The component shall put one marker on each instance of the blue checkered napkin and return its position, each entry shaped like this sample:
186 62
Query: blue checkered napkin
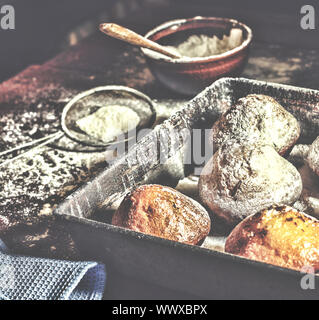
27 278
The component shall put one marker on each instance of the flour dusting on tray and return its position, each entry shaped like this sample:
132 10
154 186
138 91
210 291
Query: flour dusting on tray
109 122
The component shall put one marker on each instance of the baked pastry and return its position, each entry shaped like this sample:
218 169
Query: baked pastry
309 199
298 155
163 212
244 178
281 236
313 156
260 118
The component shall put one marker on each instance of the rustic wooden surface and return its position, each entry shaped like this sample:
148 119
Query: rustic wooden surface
30 106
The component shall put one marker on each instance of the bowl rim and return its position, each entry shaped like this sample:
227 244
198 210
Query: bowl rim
221 56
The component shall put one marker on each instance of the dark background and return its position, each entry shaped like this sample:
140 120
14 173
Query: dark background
43 26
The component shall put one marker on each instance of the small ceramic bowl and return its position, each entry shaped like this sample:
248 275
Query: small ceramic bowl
191 75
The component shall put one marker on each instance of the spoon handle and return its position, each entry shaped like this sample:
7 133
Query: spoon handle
119 32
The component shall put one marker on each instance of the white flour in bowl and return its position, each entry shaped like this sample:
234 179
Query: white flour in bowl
198 46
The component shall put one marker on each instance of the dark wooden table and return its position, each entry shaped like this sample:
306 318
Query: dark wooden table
30 107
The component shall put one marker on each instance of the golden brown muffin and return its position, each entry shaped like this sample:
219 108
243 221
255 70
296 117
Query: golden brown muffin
281 236
163 212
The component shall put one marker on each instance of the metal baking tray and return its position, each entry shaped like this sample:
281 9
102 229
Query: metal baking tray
203 272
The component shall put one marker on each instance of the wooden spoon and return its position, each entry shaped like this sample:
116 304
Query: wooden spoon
119 32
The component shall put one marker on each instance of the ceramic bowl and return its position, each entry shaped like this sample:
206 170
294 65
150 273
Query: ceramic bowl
191 75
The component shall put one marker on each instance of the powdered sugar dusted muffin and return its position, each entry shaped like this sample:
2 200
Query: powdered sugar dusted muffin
258 118
313 156
244 178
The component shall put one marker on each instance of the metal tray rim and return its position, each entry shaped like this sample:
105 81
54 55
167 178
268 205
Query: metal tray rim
174 244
